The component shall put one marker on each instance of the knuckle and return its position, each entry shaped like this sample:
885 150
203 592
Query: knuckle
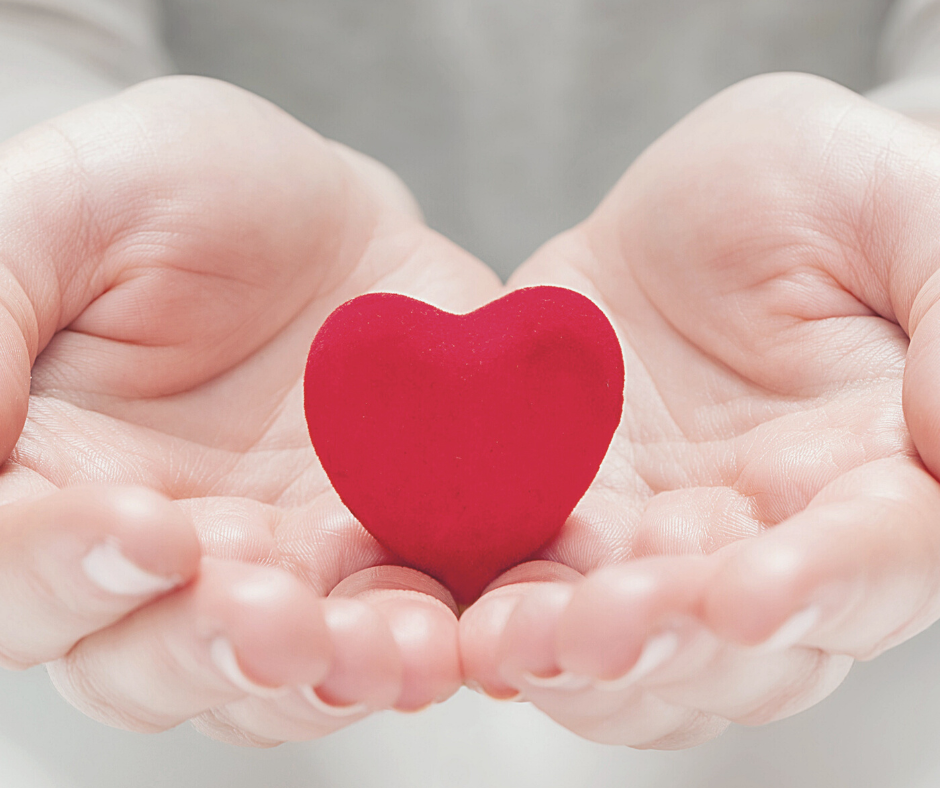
10 659
699 728
216 725
817 677
40 623
95 696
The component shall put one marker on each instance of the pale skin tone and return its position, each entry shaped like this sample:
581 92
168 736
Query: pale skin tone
764 264
168 256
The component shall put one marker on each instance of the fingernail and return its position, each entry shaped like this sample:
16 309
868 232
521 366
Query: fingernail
657 650
477 687
109 569
791 631
350 710
563 680
223 656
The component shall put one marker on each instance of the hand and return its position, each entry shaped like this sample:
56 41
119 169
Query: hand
167 537
763 516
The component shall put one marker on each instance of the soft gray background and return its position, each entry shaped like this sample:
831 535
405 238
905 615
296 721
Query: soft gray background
509 119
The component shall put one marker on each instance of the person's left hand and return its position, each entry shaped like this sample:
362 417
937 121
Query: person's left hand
762 516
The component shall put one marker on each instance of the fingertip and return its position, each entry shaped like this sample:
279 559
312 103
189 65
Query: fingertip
528 644
426 635
480 631
757 590
275 624
484 625
79 559
601 632
618 610
367 665
422 617
153 532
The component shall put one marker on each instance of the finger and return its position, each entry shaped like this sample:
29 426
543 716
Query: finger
365 676
17 349
640 720
922 375
480 630
386 185
421 615
527 657
621 658
483 627
854 573
77 560
626 612
744 685
238 630
367 669
393 638
636 626
393 647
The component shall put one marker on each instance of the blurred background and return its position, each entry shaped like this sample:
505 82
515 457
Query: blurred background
509 119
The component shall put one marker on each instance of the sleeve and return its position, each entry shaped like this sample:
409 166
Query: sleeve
58 54
909 60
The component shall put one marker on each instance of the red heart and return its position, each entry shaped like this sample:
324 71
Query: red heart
463 442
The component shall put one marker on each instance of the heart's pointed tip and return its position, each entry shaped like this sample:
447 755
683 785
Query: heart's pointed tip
467 592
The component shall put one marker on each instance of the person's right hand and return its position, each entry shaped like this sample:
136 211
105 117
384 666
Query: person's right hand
768 508
167 536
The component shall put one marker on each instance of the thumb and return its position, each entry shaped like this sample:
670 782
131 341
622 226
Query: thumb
869 181
922 375
896 270
17 349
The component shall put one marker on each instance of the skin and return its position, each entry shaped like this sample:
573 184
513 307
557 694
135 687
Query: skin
168 255
765 264
770 265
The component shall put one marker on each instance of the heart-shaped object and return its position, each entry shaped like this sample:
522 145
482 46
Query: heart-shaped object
463 442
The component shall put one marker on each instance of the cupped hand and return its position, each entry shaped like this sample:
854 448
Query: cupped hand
764 514
168 542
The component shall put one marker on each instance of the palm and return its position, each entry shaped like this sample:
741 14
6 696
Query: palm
763 465
744 397
232 442
232 445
